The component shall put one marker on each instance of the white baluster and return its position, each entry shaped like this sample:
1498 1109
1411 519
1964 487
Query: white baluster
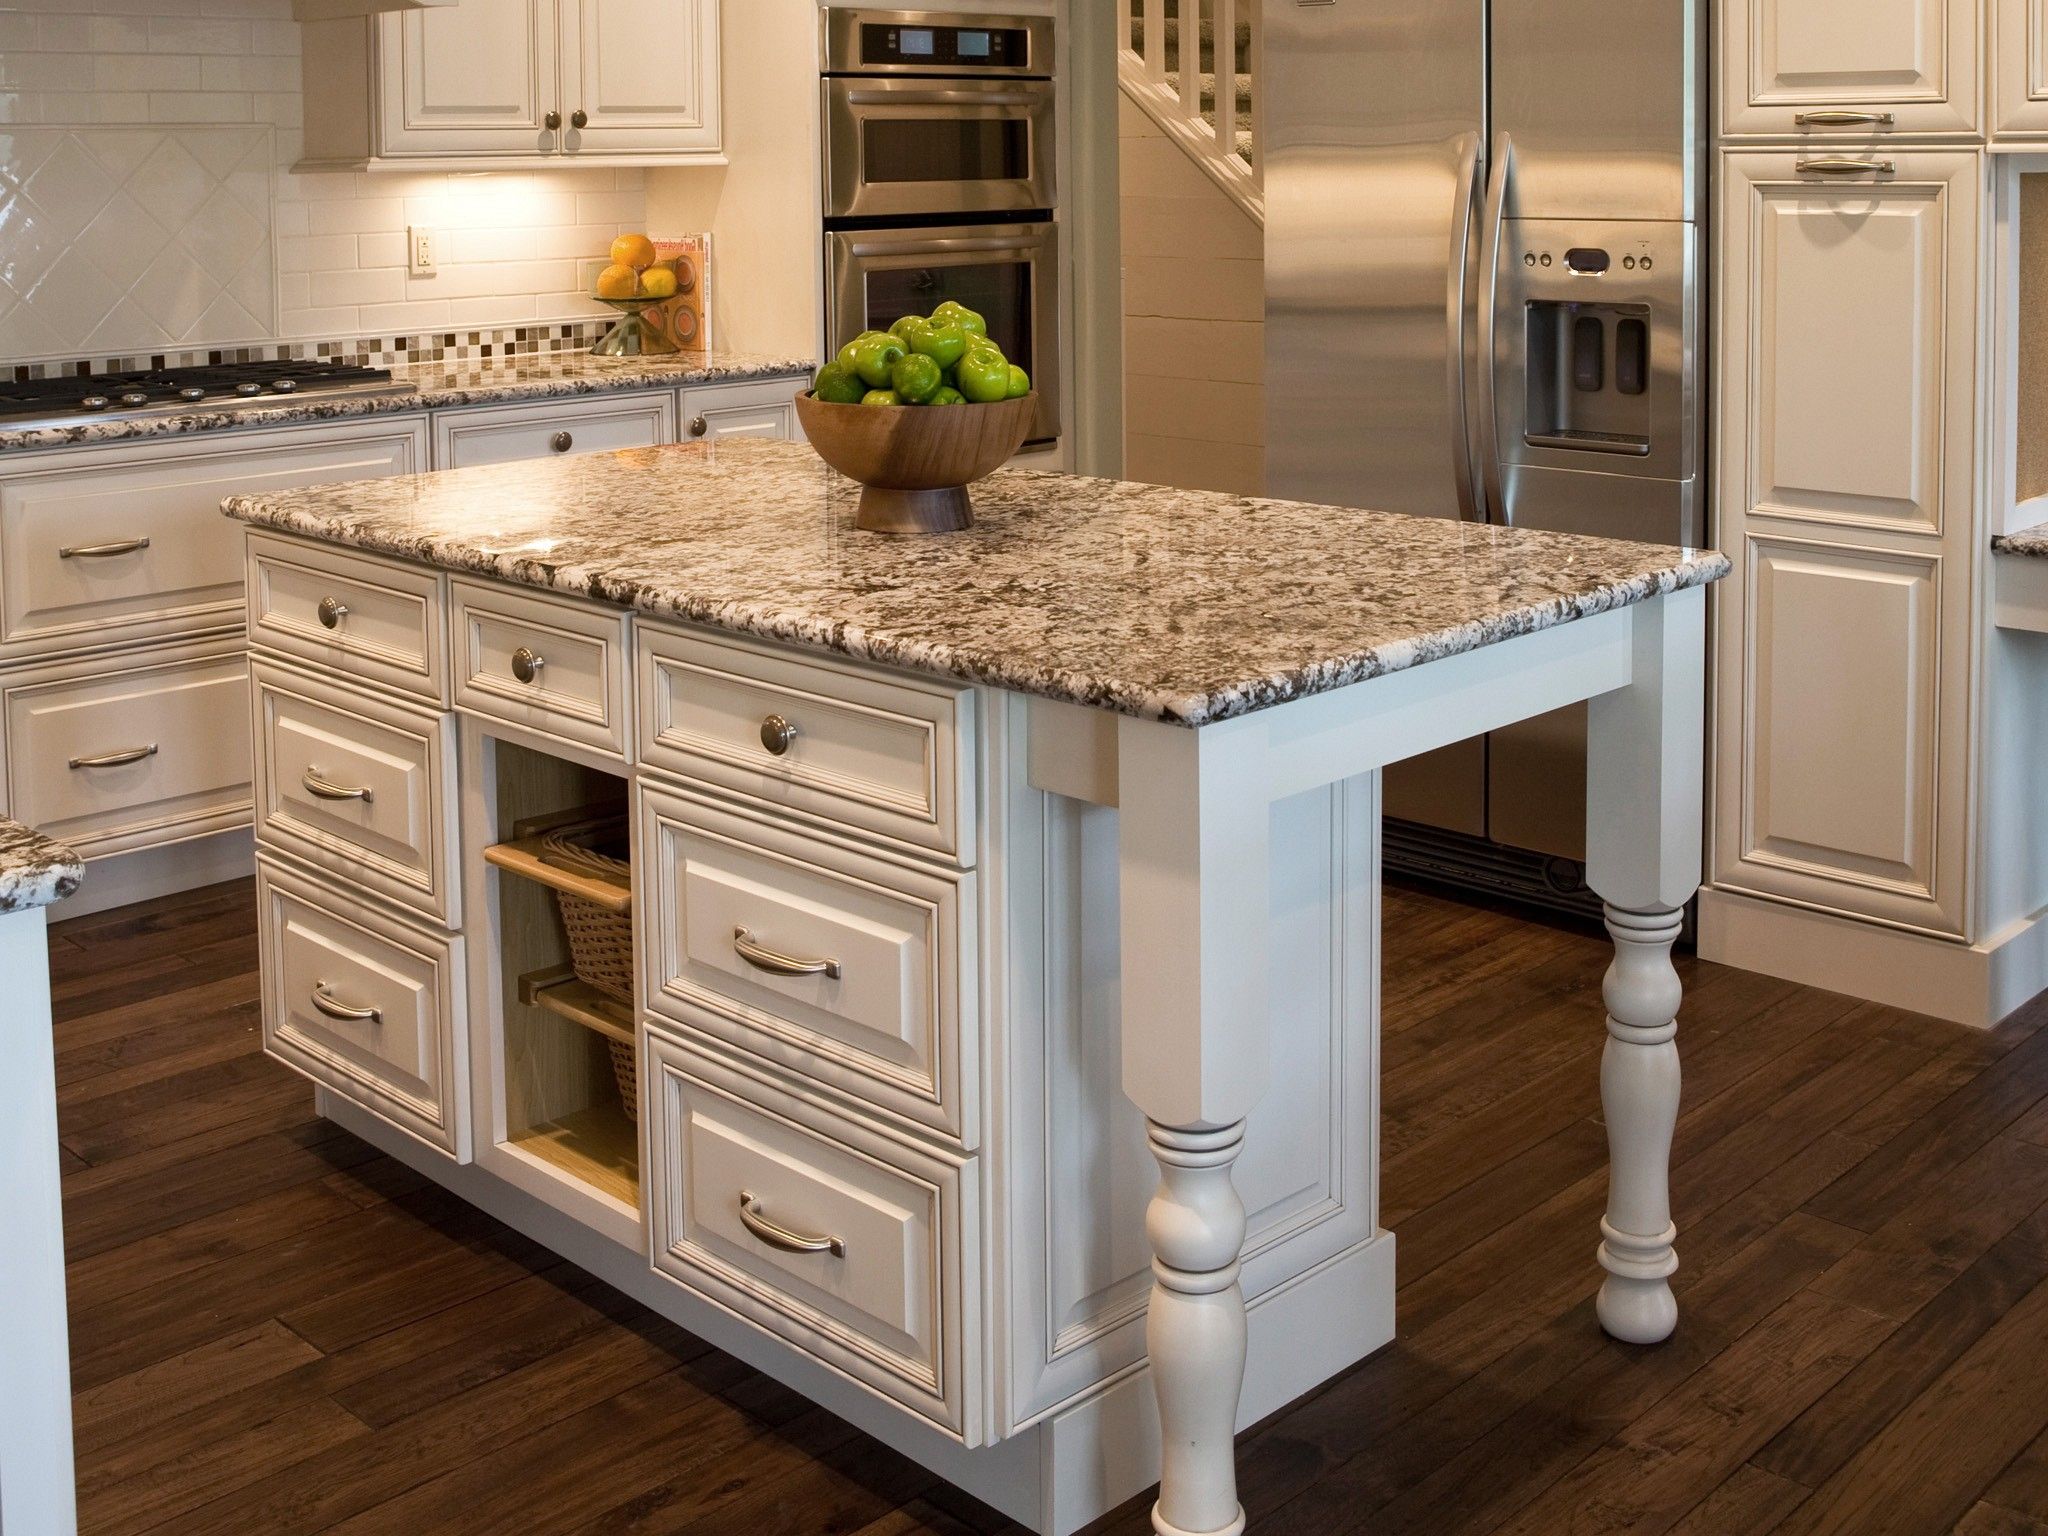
1639 1086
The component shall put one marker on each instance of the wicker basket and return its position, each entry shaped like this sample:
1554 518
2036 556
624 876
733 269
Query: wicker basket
600 940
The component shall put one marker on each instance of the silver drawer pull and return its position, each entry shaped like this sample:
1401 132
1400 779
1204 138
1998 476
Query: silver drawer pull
777 964
526 664
777 734
115 759
327 789
101 551
781 1237
1839 119
332 611
349 1013
1846 167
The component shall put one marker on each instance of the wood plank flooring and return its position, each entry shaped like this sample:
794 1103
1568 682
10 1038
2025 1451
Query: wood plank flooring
278 1331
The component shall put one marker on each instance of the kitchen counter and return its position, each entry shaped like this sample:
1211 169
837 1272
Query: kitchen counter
915 1026
432 386
34 871
1165 604
2020 579
2032 542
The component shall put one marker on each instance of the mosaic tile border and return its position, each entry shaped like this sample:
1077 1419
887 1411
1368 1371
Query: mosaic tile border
455 346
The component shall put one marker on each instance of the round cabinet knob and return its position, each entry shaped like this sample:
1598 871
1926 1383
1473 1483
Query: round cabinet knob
553 121
525 665
699 426
777 734
332 612
579 119
561 442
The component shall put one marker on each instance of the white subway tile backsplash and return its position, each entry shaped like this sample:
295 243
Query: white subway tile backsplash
145 229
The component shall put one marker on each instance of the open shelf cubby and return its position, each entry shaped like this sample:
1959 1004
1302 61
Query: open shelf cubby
561 1039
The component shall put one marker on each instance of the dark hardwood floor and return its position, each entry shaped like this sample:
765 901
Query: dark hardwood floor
277 1330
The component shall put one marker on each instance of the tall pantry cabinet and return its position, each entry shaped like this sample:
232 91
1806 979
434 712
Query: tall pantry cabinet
1855 385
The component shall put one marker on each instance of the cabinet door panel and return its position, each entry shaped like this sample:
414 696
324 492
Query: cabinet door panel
1856 339
1914 59
643 72
478 78
2019 70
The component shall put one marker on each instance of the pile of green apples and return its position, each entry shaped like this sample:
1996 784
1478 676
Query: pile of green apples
944 358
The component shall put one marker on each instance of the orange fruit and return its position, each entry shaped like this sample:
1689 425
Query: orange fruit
635 251
618 282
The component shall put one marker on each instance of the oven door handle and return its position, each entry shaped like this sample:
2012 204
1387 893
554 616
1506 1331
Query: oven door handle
1030 246
871 96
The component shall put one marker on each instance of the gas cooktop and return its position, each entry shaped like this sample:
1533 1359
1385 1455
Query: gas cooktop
167 391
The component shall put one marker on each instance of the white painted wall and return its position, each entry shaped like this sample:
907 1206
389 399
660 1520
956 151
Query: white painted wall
514 247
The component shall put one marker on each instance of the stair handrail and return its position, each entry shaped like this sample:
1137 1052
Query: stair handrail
1148 83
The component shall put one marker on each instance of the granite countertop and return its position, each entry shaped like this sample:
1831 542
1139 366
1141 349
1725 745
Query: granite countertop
432 386
34 872
1176 605
2028 541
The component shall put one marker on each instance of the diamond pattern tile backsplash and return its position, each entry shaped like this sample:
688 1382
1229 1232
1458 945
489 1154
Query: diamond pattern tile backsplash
120 239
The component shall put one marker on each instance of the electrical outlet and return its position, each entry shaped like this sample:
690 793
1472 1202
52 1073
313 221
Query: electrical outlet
420 242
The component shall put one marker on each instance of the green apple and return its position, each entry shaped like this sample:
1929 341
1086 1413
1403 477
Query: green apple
838 385
943 344
951 313
881 397
1020 382
916 379
948 395
984 377
874 357
908 326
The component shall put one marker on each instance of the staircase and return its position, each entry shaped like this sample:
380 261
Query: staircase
1183 96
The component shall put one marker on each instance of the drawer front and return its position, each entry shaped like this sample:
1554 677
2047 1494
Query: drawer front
889 758
375 620
136 548
497 435
357 786
364 1005
554 667
766 409
855 1248
850 969
123 755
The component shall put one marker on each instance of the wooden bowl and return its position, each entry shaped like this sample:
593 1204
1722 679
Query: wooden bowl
916 462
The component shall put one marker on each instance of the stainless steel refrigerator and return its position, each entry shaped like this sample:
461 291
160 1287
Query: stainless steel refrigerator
1483 301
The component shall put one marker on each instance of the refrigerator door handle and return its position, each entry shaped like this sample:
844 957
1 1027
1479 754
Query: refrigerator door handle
1502 173
1455 304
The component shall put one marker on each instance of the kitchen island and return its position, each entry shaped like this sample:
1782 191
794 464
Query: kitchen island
996 1062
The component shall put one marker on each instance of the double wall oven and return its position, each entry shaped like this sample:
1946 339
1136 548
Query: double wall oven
938 179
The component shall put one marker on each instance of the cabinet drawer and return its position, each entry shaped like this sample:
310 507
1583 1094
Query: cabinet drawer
1900 68
768 409
372 619
134 547
365 1005
109 755
554 667
498 434
852 969
880 755
358 786
854 1247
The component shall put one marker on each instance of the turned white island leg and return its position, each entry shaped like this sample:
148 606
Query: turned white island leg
1193 834
1643 827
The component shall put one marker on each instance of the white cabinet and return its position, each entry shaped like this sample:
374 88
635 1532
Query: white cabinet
496 434
1848 358
494 83
1822 68
2019 69
742 410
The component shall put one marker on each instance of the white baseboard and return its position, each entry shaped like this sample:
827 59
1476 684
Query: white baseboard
1977 984
1055 1476
121 879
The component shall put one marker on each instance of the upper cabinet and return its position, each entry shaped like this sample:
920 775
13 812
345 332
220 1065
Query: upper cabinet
2019 69
489 84
1816 69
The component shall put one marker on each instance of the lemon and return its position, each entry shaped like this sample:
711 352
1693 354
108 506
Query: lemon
658 283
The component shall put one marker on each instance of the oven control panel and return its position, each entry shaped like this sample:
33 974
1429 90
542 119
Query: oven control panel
965 48
865 42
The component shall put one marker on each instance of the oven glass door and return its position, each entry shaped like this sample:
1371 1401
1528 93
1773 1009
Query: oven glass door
1008 274
926 148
